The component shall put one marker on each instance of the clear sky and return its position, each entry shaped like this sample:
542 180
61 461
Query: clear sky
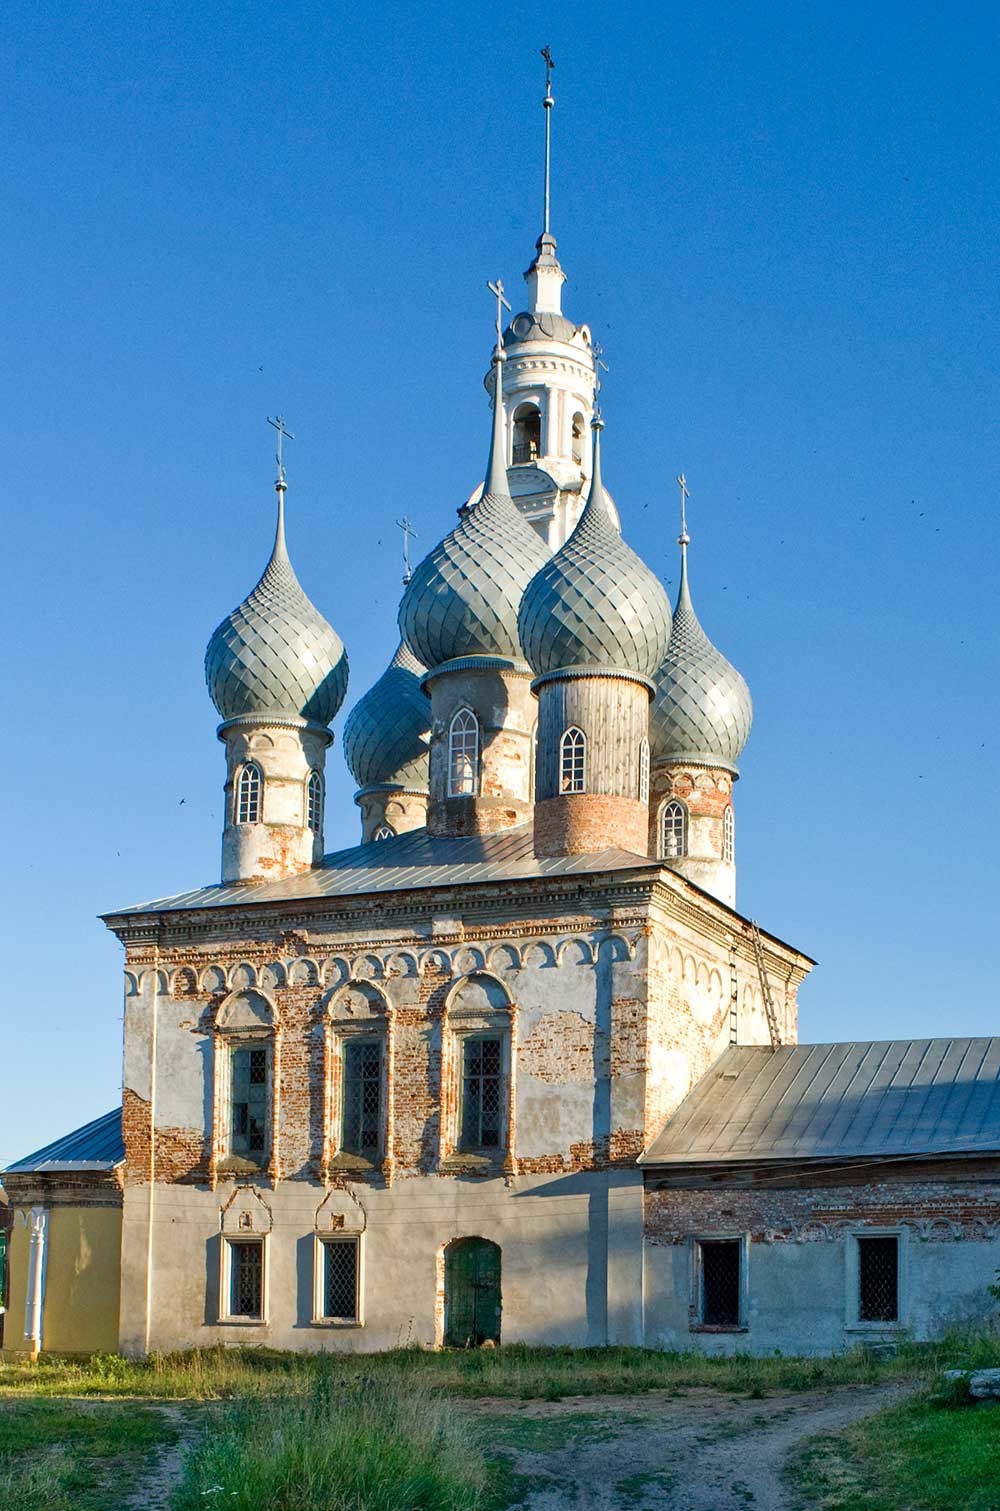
781 220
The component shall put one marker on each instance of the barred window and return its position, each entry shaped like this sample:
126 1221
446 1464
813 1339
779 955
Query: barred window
246 1278
383 832
720 1282
314 802
728 835
573 761
249 792
463 754
249 1102
482 1091
339 1290
673 830
878 1279
644 771
361 1131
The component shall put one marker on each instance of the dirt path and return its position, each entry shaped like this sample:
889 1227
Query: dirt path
700 1451
164 1468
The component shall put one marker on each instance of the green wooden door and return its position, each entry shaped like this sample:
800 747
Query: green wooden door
471 1293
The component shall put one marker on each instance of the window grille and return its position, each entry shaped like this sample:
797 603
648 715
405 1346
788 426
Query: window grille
644 771
362 1097
463 755
573 761
527 438
673 831
383 832
246 1277
249 791
720 1283
482 1092
248 1132
728 836
340 1279
314 802
878 1279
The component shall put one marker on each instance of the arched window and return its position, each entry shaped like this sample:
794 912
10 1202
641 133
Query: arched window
463 754
673 830
729 835
527 434
644 771
579 430
249 794
573 761
383 832
314 802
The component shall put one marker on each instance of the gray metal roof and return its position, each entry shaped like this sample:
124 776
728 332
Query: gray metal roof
838 1101
406 861
539 325
96 1146
387 732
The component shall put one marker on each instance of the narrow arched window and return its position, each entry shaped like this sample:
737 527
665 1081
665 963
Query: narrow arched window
579 430
573 761
673 830
729 835
383 832
249 794
527 443
644 771
314 802
463 754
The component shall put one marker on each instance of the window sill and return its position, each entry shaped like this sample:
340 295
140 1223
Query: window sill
718 1327
357 1162
875 1327
337 1322
242 1322
233 1165
460 1163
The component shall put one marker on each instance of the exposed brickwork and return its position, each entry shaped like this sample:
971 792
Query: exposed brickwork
474 815
135 1130
559 1049
584 823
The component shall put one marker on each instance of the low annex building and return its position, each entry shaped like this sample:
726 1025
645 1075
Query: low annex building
513 1068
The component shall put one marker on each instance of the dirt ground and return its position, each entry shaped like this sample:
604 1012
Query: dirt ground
696 1451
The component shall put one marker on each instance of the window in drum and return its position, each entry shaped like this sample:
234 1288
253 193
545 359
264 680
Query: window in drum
249 1103
878 1279
482 1092
463 754
246 1278
579 428
383 832
673 831
728 836
720 1282
339 1288
644 770
314 802
573 761
249 792
362 1119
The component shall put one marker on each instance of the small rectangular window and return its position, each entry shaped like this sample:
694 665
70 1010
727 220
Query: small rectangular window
482 1092
338 1292
246 1278
878 1279
720 1282
249 1103
361 1131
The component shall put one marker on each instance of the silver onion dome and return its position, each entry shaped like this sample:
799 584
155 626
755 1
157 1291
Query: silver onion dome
595 603
463 598
275 654
387 733
702 710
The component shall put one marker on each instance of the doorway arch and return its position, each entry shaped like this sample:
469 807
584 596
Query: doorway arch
472 1298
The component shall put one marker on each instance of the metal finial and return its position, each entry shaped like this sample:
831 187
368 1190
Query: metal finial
547 104
684 538
497 290
408 530
283 434
599 366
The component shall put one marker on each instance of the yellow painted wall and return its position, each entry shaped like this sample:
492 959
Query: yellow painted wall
82 1282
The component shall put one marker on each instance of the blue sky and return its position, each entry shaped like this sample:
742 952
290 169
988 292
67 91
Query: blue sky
782 223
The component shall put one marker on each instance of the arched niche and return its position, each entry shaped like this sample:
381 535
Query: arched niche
355 1002
246 1011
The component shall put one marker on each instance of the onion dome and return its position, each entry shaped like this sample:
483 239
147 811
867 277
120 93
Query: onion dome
387 733
275 655
702 710
595 604
463 598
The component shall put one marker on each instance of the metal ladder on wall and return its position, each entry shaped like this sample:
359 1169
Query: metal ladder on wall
765 987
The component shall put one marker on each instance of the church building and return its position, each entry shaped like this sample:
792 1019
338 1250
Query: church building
513 1066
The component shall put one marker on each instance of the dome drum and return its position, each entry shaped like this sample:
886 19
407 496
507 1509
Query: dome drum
481 750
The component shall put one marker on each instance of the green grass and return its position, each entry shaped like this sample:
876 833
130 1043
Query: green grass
55 1456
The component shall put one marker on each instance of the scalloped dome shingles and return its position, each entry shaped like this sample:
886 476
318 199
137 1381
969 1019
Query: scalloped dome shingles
275 653
387 733
702 709
595 603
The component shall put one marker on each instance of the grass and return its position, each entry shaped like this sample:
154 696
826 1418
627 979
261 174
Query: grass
55 1456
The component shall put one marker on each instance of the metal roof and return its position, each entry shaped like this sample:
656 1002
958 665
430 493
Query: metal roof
834 1101
96 1146
406 861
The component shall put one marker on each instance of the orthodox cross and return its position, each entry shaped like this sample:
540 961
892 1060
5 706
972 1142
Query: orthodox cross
685 495
599 366
283 434
408 530
548 103
497 290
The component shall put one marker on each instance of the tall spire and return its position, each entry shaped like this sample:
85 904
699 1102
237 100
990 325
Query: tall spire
545 277
683 540
547 105
496 467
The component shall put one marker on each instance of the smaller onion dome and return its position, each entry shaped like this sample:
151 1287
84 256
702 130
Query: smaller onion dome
387 733
702 710
595 604
275 654
463 598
